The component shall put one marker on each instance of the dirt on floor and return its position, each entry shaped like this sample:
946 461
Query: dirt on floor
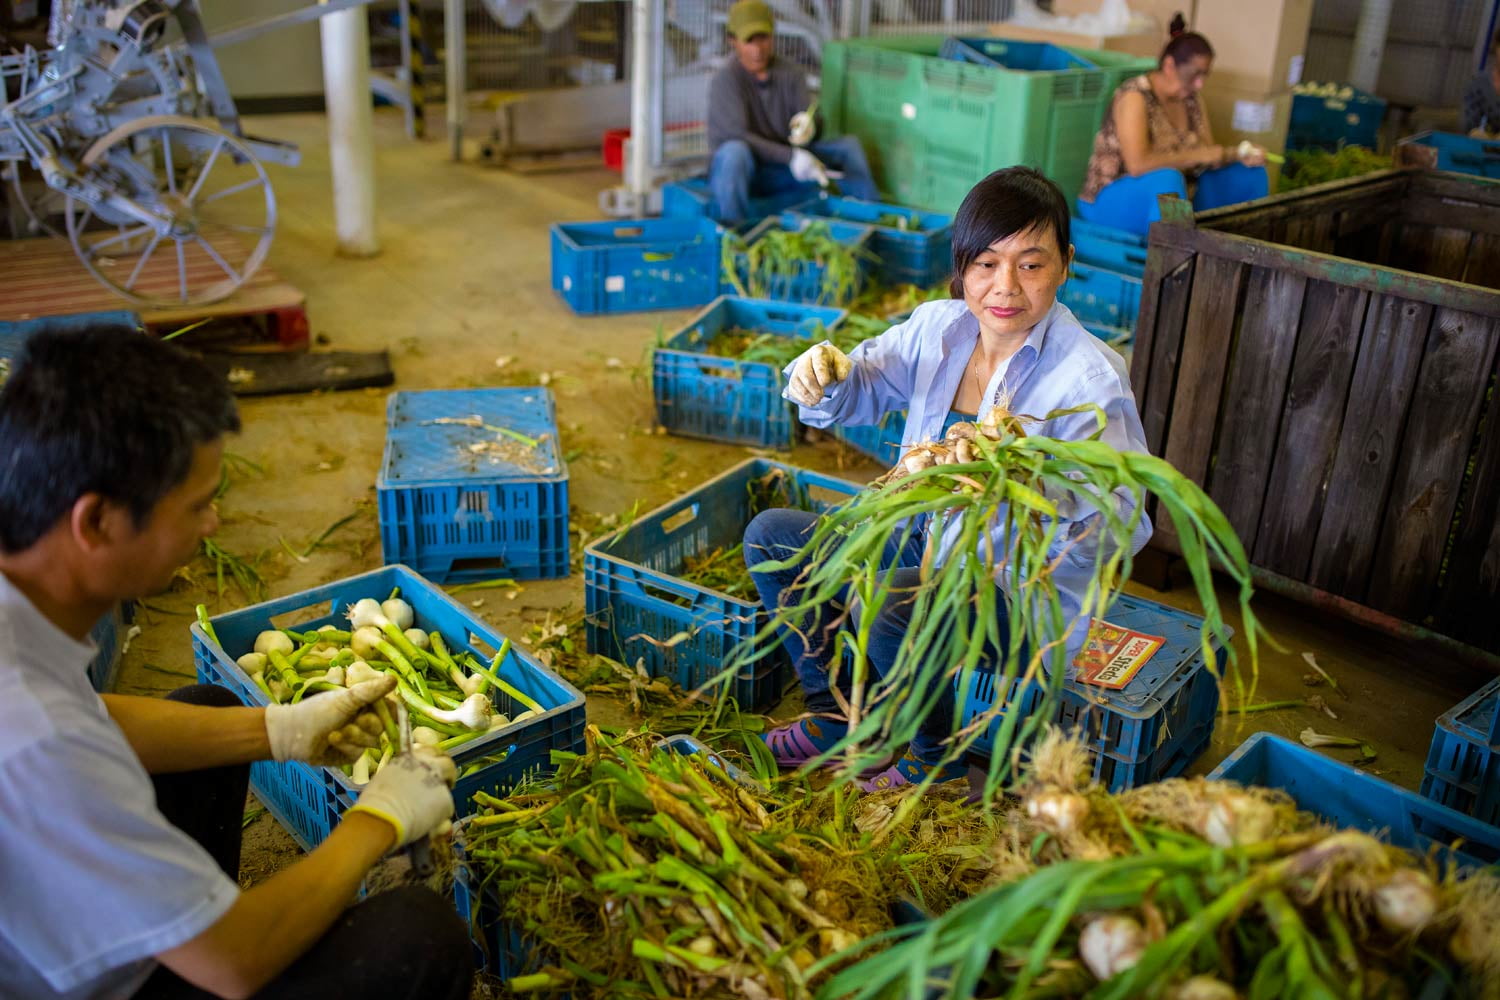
460 296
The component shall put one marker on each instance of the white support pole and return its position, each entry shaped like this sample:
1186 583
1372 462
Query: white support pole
1369 44
351 142
638 169
455 37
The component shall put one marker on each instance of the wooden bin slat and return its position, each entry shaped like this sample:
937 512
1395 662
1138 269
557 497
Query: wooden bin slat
1165 288
1385 375
1252 398
1315 398
1383 280
1484 261
1440 251
1471 590
1434 450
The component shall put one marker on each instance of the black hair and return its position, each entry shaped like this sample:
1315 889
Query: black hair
1008 201
1184 47
108 410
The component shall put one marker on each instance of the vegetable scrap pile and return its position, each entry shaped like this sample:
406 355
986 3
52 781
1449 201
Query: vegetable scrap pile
508 446
638 872
1316 166
1191 890
779 258
450 695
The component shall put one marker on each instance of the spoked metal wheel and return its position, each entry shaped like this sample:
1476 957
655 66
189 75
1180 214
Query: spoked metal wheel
188 213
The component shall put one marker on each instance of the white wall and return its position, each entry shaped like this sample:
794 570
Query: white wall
287 62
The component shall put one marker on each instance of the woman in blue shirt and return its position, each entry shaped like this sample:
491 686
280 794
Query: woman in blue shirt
1002 339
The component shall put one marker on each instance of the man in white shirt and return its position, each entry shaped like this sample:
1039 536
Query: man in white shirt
110 447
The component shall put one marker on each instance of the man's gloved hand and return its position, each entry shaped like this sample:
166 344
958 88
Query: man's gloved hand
329 728
807 168
818 368
804 127
413 793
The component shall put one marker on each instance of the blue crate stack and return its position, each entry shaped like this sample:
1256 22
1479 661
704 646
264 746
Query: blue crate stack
307 800
1463 763
881 442
1346 797
636 265
462 498
698 394
1347 116
1153 728
635 597
1461 153
689 198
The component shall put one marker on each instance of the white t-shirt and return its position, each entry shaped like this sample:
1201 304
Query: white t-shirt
95 881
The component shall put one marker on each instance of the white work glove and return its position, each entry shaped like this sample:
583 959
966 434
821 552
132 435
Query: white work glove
330 728
803 129
818 368
807 168
413 793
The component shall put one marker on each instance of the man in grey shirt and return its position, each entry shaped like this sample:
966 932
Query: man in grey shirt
764 142
1481 107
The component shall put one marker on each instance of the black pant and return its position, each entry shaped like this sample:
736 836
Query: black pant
407 943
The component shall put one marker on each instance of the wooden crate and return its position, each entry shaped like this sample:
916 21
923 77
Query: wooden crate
1324 364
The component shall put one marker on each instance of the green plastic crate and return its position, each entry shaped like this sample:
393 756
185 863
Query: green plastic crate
933 128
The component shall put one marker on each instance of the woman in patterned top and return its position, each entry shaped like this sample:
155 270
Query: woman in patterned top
1156 140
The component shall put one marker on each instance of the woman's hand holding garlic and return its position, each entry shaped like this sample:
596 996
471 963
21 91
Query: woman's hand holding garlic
818 368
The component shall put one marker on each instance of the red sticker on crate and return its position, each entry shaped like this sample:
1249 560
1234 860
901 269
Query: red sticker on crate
1112 655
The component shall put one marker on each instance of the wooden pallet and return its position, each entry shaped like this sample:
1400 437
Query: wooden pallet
42 277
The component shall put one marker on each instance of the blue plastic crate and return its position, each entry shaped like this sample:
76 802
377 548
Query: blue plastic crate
1107 247
723 399
463 502
13 333
881 441
1151 729
805 282
1003 53
1348 797
109 636
1463 763
1116 336
689 198
1332 122
921 254
1462 154
636 265
1101 297
636 599
308 800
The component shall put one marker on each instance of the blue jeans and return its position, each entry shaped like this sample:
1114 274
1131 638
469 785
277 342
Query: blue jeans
735 176
778 534
1130 202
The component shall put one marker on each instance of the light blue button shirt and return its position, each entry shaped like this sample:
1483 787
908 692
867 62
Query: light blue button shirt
96 880
918 367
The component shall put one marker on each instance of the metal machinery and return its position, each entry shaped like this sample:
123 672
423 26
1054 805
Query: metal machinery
128 119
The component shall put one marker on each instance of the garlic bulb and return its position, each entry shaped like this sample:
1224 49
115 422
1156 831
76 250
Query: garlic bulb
272 641
1110 945
1406 902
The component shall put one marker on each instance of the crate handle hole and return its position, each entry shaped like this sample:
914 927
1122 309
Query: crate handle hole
625 232
826 496
683 517
476 565
482 646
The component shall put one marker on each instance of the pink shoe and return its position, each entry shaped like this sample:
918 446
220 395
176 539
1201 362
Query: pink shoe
796 743
910 771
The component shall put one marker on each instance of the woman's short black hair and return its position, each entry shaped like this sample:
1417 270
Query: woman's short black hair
1007 202
106 410
1184 47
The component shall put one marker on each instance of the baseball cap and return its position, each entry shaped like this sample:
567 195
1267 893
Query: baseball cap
749 18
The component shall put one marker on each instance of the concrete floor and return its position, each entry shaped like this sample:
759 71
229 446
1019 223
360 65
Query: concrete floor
463 281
